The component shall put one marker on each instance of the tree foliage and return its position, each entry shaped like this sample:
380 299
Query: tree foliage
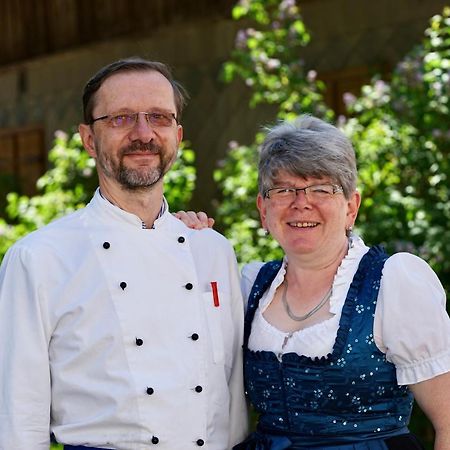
400 130
70 183
267 57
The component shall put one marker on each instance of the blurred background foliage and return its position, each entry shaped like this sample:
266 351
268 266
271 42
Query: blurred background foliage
399 127
266 57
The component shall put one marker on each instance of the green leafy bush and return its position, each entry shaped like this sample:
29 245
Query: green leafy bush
70 183
399 129
267 57
401 135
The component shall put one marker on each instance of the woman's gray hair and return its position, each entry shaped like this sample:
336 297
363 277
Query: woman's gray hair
307 147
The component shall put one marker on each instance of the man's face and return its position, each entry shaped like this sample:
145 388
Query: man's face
135 156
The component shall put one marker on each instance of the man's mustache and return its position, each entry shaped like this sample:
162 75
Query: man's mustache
142 147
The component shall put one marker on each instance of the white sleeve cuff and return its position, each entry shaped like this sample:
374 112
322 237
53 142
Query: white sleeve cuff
424 370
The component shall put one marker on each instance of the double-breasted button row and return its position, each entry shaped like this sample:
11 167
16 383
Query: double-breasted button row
181 239
122 284
151 391
199 442
188 286
139 341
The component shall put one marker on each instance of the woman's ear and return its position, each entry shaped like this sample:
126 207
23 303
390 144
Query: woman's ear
260 204
352 208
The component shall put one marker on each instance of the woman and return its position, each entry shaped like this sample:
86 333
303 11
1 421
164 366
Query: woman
338 336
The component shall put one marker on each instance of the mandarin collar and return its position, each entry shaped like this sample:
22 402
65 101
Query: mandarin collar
108 211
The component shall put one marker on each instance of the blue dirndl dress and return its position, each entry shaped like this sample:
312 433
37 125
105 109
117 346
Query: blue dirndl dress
348 400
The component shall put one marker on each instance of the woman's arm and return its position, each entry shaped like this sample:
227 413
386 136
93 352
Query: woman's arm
433 396
413 328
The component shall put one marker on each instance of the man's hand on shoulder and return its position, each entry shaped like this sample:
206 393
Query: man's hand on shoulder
195 220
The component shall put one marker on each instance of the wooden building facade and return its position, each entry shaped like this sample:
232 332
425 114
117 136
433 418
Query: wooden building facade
49 48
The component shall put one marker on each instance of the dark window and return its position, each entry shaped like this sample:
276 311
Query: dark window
22 161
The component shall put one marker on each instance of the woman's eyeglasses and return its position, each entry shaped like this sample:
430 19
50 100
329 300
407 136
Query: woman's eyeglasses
315 193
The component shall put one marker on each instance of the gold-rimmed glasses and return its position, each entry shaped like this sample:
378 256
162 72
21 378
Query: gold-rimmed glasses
125 121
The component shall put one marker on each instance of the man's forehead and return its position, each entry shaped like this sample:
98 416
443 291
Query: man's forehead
136 87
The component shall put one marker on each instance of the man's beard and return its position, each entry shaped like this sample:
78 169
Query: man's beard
135 178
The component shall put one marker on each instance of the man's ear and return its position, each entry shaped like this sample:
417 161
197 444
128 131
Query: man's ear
179 134
87 138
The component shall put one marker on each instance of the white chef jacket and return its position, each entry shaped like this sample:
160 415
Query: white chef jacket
110 336
411 325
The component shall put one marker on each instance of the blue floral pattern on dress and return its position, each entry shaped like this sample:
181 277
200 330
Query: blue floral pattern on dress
351 395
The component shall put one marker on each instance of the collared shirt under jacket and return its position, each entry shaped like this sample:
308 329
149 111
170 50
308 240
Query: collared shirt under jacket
112 336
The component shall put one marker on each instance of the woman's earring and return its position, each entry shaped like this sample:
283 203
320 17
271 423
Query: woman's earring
349 231
266 232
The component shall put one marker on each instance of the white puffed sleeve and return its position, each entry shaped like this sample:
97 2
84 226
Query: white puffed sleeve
411 323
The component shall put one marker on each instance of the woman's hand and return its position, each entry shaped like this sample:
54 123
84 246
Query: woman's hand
195 220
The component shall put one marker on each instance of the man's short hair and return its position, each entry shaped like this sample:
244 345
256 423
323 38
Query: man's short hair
134 64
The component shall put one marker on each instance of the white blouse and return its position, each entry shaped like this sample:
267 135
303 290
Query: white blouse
411 324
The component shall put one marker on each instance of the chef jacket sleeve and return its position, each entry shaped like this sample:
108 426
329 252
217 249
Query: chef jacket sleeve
24 361
238 405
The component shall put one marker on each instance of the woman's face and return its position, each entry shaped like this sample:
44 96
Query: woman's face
312 224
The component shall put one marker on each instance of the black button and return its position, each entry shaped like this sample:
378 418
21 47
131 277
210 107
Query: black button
155 440
150 391
106 245
123 285
181 239
198 389
139 342
194 336
189 286
200 442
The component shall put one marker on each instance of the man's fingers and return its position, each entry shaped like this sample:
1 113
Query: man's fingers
195 220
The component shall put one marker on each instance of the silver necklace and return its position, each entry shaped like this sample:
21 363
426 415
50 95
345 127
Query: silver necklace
308 314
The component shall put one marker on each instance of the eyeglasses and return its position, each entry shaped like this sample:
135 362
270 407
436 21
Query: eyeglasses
126 121
316 193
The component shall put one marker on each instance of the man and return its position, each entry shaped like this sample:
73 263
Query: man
121 327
